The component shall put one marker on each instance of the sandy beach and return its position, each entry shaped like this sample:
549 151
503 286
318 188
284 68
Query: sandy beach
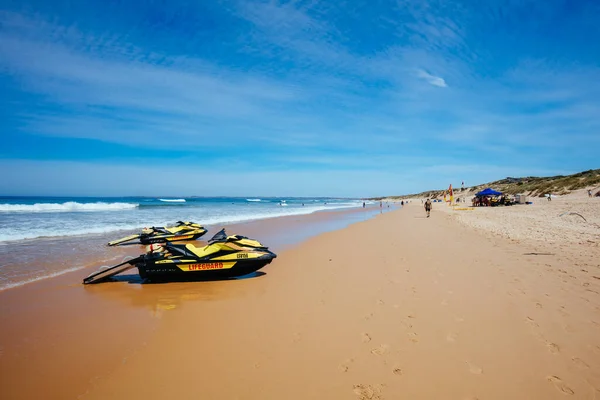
398 306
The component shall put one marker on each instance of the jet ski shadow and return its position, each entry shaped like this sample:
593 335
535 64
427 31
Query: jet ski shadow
135 279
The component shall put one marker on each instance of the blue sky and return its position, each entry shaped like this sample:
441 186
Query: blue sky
345 98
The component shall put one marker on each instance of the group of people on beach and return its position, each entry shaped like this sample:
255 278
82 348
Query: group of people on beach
427 206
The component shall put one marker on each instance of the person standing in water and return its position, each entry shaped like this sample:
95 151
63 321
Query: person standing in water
428 207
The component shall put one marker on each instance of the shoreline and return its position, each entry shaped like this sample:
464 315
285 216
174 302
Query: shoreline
72 320
77 253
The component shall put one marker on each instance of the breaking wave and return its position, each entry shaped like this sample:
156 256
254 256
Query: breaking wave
69 206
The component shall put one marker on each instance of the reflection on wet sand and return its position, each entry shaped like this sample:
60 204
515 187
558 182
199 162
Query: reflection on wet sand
131 290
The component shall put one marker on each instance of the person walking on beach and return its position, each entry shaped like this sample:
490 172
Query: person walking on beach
428 207
589 193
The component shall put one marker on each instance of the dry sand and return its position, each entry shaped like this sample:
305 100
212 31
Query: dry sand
562 222
399 306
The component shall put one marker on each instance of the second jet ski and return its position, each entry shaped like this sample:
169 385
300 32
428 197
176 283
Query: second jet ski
183 230
224 257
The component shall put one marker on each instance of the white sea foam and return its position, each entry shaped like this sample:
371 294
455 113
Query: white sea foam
4 286
173 200
253 200
272 213
69 206
129 222
7 235
115 225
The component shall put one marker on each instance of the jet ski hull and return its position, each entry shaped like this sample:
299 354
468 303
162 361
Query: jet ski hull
196 271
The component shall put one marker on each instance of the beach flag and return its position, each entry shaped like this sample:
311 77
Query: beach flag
451 194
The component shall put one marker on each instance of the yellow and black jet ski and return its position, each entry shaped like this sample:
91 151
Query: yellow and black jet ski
223 257
181 231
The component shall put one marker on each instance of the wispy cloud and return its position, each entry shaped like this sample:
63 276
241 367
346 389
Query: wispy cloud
432 79
309 86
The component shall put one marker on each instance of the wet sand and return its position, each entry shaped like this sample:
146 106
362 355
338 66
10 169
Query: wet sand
399 306
69 335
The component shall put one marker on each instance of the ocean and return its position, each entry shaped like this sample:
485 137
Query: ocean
41 237
36 217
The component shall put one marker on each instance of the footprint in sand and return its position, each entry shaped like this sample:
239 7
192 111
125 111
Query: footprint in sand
563 312
531 321
538 305
397 371
406 324
553 347
560 385
580 363
444 302
451 337
381 350
380 302
474 369
369 316
366 338
345 365
459 319
412 336
367 392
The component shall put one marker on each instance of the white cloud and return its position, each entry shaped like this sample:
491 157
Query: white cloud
432 79
313 91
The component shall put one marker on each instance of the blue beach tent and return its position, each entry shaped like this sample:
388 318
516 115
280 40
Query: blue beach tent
488 192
